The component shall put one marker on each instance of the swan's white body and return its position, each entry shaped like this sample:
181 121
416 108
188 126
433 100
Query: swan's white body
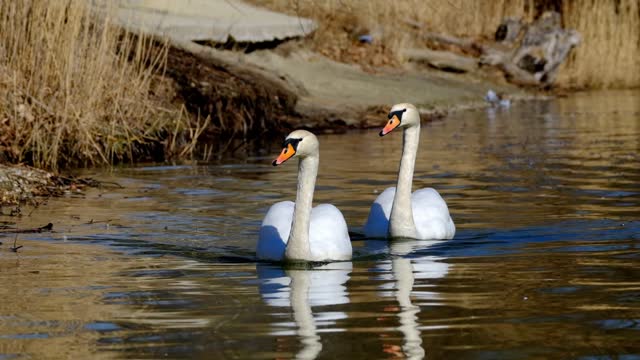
328 234
398 213
296 231
430 215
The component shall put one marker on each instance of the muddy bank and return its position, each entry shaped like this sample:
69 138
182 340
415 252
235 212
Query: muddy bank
337 93
25 185
296 82
291 87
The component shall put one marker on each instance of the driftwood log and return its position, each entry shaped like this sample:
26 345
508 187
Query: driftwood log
443 60
528 54
544 47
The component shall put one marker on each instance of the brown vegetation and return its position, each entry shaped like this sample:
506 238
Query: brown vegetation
77 90
74 88
610 54
607 57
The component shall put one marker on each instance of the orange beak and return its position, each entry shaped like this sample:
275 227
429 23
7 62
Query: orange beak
391 124
285 155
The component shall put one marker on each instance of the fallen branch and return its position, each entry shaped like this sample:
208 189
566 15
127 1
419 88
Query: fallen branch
443 60
72 180
531 60
45 228
466 45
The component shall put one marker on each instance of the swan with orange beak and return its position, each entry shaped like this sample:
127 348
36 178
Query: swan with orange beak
297 231
397 212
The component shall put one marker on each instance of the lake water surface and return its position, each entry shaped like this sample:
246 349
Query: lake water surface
545 262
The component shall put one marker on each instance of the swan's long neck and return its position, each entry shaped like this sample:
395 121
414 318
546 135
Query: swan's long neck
412 344
298 247
401 222
300 285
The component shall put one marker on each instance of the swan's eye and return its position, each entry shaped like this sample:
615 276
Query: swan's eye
397 113
291 144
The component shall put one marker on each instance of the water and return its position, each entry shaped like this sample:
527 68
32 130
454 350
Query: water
544 264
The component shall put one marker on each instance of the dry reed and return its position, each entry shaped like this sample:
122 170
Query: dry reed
607 57
74 89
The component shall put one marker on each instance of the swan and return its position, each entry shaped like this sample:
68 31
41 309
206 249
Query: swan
294 231
397 213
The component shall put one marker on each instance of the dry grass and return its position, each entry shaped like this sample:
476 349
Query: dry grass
73 88
608 56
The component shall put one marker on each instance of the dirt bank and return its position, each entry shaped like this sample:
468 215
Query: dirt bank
309 90
26 185
236 101
319 92
346 94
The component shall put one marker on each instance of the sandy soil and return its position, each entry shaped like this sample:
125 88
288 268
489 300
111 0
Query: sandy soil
331 96
334 90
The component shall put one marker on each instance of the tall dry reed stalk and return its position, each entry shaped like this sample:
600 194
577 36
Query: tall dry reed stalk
74 89
607 57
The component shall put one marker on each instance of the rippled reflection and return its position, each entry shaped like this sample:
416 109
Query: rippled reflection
401 273
302 289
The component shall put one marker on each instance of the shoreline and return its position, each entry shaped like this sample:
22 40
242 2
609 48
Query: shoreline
331 96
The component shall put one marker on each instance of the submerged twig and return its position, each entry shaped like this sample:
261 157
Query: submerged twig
15 248
47 227
69 180
99 221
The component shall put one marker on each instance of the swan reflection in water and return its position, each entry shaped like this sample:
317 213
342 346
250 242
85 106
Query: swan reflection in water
402 271
302 289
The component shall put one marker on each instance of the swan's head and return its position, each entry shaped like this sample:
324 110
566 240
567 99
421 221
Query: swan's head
299 143
401 115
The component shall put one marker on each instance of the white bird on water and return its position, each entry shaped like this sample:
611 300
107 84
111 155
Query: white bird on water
297 231
397 213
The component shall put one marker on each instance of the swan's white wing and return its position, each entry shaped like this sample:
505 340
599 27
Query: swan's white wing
377 225
328 234
431 215
274 231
